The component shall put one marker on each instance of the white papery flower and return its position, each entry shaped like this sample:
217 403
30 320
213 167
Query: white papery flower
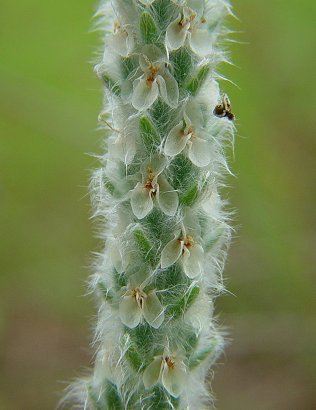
118 254
123 146
122 40
185 134
154 186
185 248
125 128
192 26
169 370
156 80
136 305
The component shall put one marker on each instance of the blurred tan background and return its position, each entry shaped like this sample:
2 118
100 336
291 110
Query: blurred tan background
49 101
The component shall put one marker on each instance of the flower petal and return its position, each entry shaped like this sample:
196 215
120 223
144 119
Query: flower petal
151 54
173 379
176 140
129 312
195 111
193 261
197 5
200 42
199 152
176 34
156 163
167 197
191 222
162 88
172 89
116 257
153 311
121 43
130 42
141 201
171 253
152 373
124 148
144 95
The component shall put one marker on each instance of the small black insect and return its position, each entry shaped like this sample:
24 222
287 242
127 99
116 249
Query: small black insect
224 109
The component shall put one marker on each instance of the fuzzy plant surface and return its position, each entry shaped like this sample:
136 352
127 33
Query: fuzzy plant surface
162 222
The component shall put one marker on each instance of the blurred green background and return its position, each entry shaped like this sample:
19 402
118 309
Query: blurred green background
49 103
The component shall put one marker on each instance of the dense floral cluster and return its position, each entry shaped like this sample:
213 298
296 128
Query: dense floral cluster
163 223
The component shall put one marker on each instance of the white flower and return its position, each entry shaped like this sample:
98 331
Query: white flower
168 370
122 41
184 135
153 186
123 147
156 80
125 128
188 25
136 305
116 255
116 244
185 248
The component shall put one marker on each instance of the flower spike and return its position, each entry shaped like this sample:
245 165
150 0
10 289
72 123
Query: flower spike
163 226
